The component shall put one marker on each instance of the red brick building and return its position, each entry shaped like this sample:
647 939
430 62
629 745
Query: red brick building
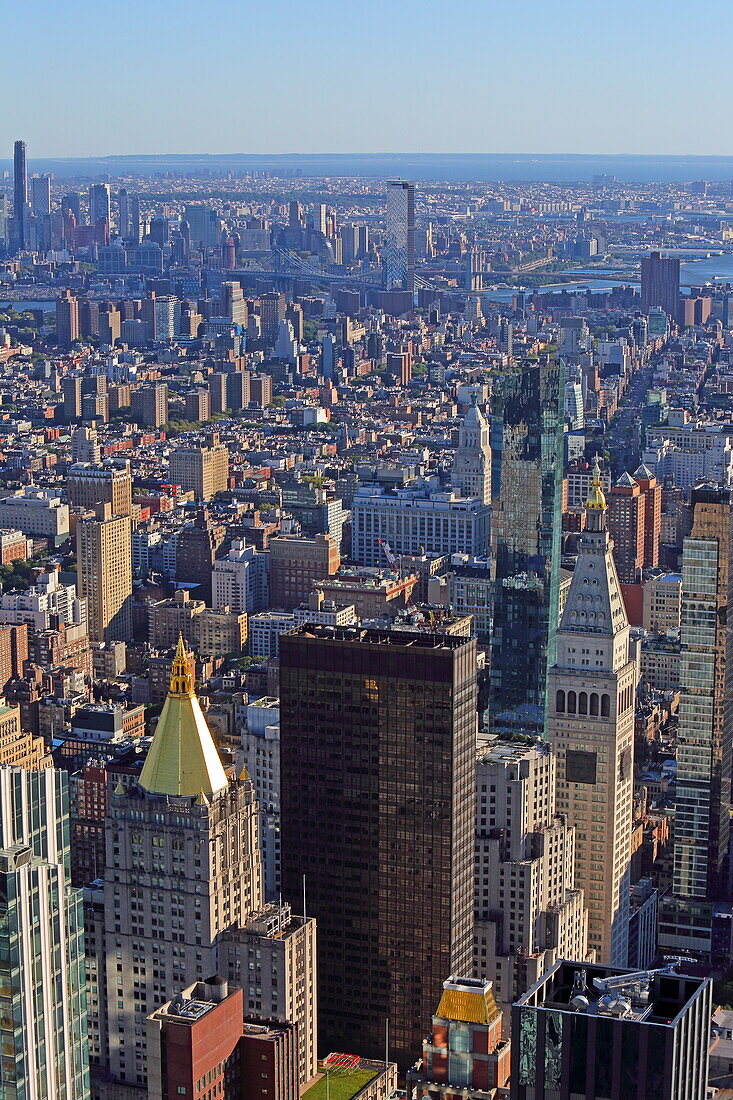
13 547
635 521
296 564
626 505
13 652
200 1045
652 493
465 1054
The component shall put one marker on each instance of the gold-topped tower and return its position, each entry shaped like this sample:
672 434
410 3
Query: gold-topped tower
596 498
183 760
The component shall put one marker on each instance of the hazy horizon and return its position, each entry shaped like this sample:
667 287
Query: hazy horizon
557 168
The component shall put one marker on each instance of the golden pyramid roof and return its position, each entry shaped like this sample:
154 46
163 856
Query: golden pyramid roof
468 1000
182 759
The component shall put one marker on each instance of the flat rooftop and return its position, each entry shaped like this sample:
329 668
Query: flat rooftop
655 997
342 1084
394 638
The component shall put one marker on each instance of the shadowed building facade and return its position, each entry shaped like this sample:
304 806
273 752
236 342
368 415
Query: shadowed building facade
377 734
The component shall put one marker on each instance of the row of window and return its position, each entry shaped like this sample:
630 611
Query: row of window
581 703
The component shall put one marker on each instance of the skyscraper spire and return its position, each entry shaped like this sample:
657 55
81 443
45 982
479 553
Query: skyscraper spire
596 504
182 760
591 691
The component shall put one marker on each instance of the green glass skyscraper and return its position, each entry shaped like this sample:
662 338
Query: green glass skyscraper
526 446
43 1014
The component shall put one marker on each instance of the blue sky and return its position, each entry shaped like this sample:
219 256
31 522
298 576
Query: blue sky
90 78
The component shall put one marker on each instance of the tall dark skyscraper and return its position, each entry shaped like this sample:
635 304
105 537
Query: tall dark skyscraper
100 203
660 283
526 448
20 192
377 803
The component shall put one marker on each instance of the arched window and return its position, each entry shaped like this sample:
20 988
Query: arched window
605 706
571 702
594 703
560 702
583 703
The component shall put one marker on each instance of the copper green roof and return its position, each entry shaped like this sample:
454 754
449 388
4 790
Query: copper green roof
182 759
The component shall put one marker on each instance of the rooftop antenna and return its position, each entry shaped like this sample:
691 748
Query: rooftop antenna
304 909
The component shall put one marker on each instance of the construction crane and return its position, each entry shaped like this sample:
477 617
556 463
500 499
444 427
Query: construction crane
388 553
633 977
617 990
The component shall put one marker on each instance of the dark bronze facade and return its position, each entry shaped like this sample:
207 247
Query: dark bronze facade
377 786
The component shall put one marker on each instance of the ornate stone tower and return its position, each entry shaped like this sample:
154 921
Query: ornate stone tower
182 865
591 690
471 474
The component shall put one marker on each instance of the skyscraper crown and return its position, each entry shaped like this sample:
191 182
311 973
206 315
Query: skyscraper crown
596 500
183 760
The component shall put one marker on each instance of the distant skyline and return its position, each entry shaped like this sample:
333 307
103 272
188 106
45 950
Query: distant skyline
391 76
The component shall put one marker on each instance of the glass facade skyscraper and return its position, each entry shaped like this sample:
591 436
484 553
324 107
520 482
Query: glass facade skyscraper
695 914
526 444
702 817
43 1012
20 192
377 744
399 237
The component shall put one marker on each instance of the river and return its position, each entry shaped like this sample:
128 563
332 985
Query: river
48 306
692 273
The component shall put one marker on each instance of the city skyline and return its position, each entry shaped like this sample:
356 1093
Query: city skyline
427 77
366 555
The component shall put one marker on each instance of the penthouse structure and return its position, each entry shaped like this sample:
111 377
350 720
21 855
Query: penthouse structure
602 1031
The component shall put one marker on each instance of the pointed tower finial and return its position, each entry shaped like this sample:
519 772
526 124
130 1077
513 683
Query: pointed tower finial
181 678
182 759
596 500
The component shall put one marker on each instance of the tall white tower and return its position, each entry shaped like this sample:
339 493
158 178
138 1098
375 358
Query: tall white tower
471 474
591 692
